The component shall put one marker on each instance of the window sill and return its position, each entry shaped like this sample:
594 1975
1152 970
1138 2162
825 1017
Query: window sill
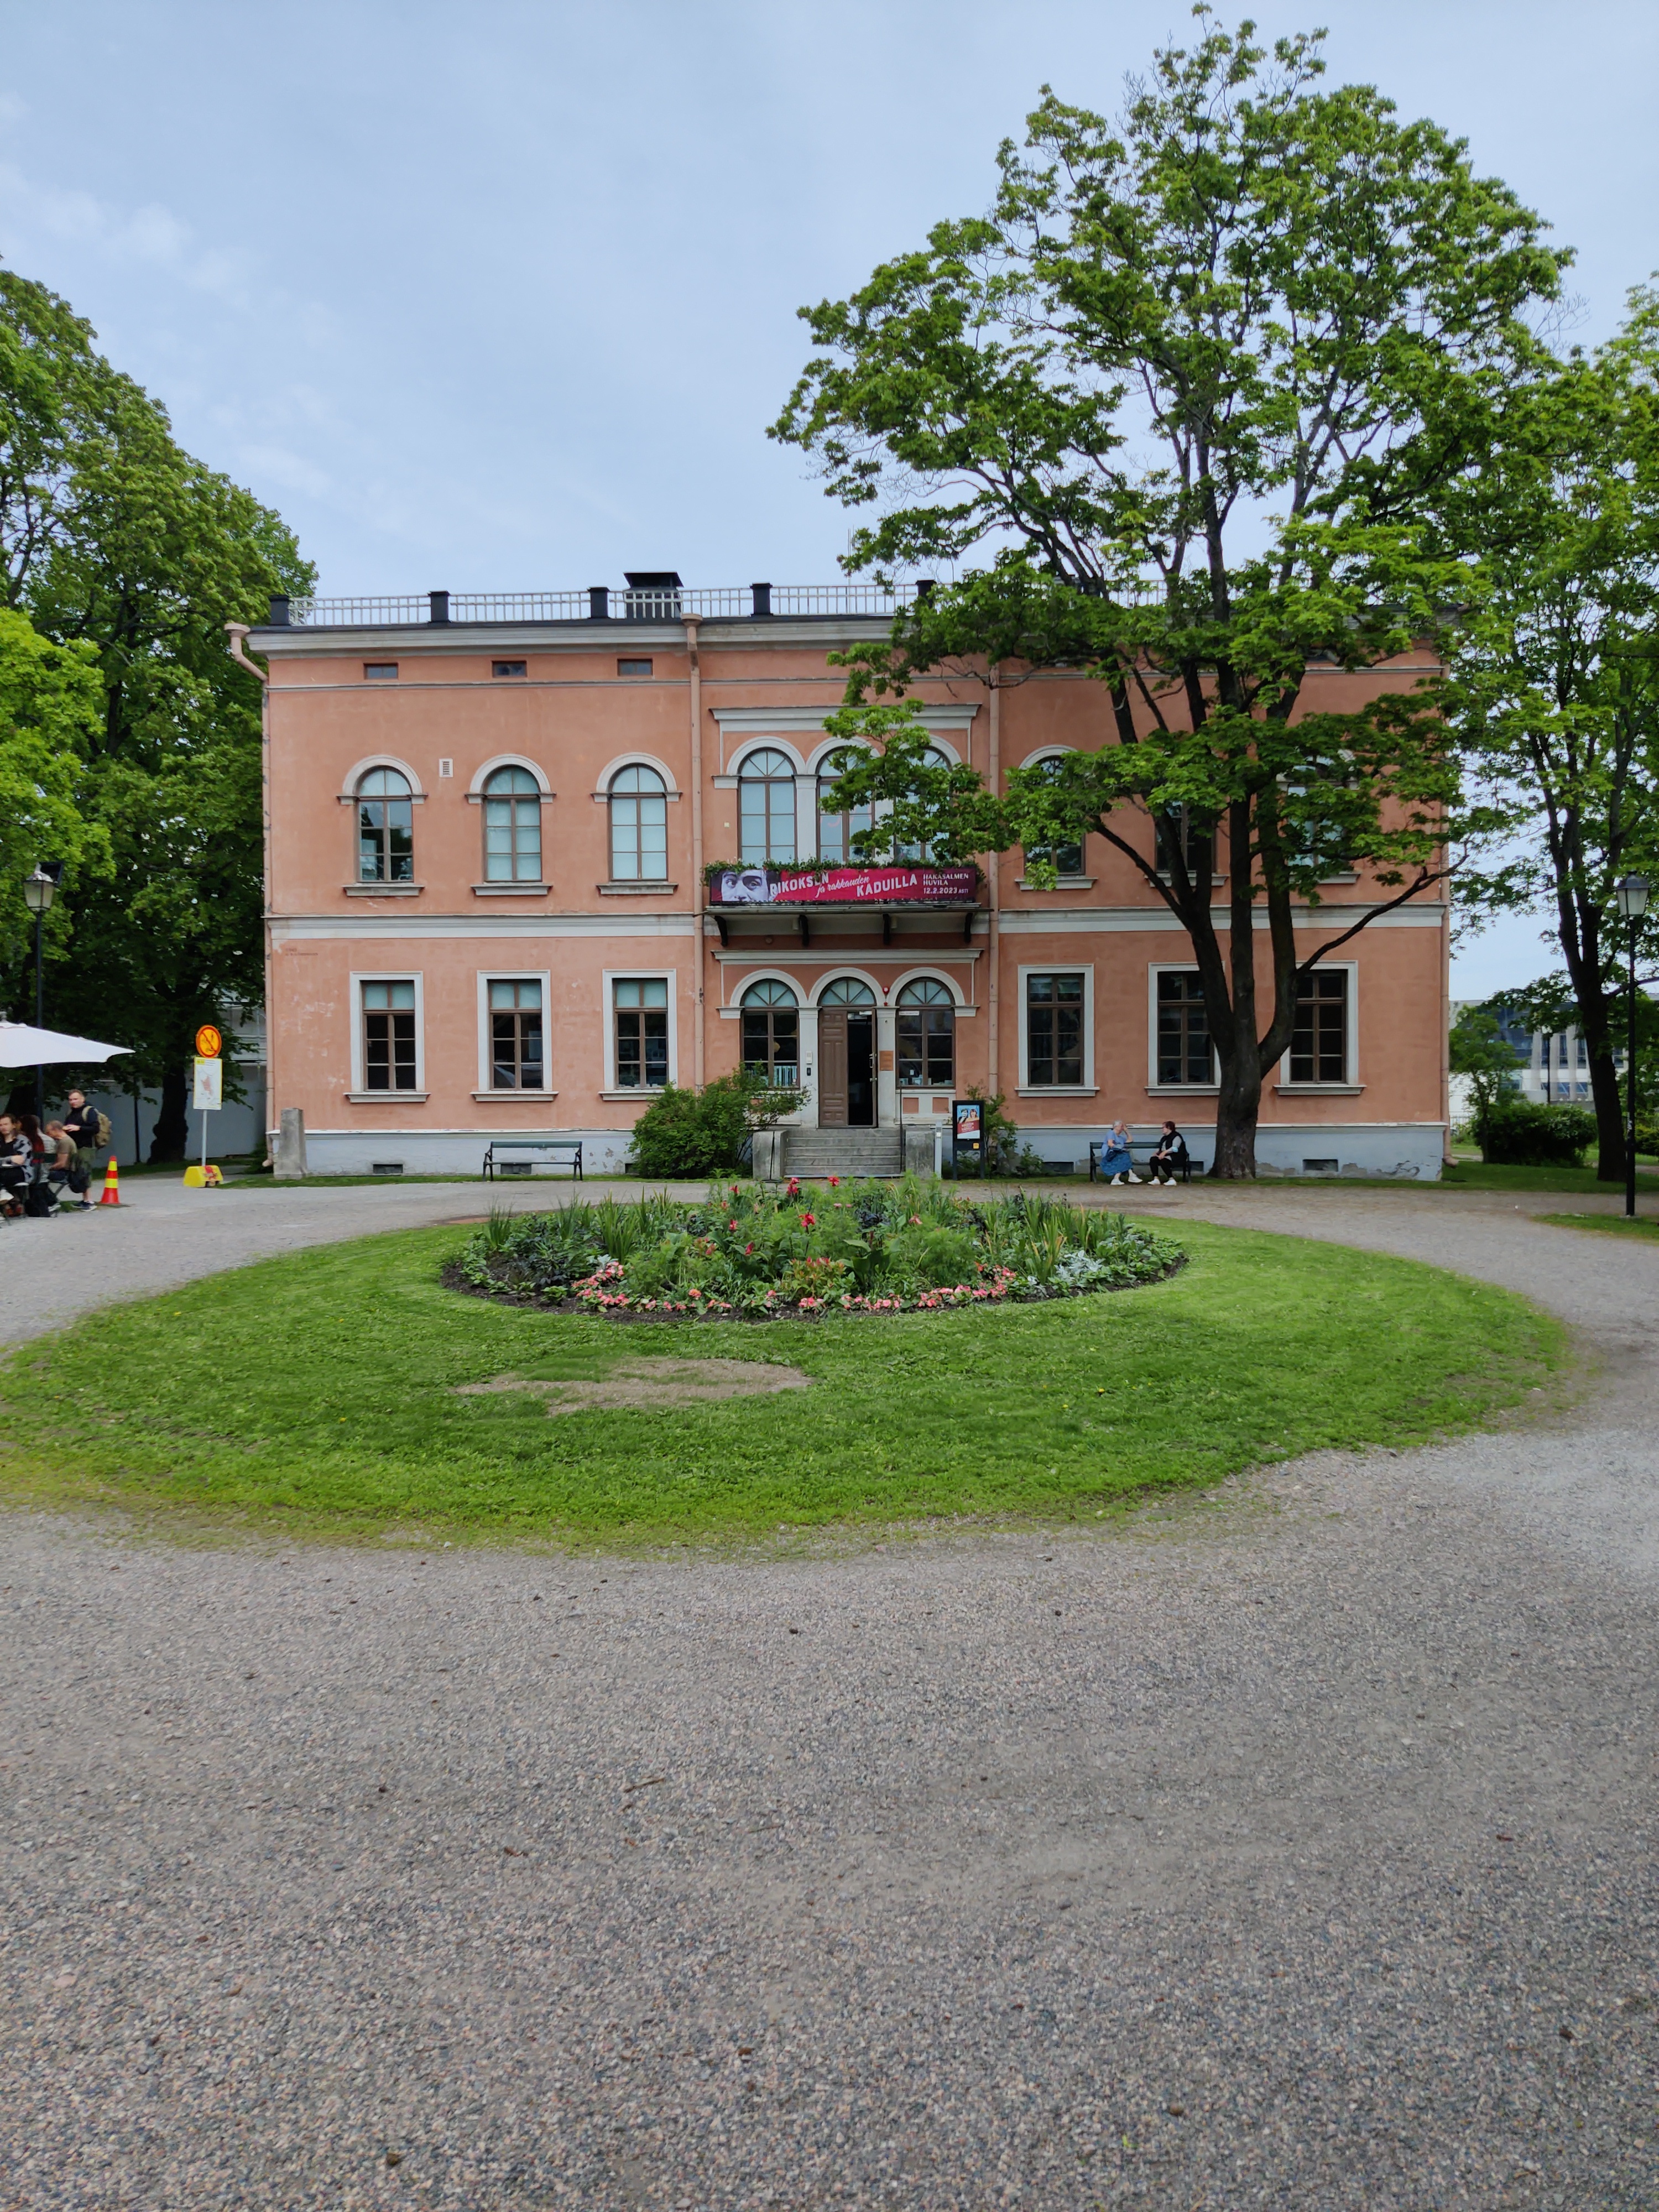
641 1090
636 890
387 1097
1183 1090
1164 877
1065 883
383 891
510 891
1058 1091
523 1098
1318 1090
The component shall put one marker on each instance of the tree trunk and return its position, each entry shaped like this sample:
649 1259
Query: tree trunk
172 1130
1605 1095
1238 1107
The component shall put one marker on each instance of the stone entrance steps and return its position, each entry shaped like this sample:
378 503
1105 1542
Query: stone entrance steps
816 1153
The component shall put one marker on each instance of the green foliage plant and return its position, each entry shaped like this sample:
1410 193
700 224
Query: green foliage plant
862 1247
1199 382
131 557
1552 692
686 1134
1514 1132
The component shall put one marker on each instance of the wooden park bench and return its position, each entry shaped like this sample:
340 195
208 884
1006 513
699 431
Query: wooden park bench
566 1152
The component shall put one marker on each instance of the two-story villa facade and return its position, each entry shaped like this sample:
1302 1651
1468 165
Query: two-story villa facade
530 857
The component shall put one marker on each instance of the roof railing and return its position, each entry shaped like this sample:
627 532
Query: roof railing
653 602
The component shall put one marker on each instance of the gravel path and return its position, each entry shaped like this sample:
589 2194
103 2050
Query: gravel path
1292 1847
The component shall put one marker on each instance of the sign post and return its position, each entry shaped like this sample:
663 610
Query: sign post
967 1134
207 1095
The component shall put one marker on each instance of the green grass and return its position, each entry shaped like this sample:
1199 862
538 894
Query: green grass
315 1392
1473 1175
1646 1227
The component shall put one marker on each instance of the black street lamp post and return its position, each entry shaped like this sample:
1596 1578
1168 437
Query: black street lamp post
1632 895
38 892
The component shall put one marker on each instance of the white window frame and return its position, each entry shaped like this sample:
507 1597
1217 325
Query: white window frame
612 975
1088 1088
1155 969
486 977
1351 1074
358 977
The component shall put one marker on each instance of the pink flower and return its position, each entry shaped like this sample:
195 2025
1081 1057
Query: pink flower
834 1183
809 1221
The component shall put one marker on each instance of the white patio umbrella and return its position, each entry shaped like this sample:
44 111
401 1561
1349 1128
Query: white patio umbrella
23 1045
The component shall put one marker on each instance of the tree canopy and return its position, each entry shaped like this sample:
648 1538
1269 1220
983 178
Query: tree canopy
1194 391
124 551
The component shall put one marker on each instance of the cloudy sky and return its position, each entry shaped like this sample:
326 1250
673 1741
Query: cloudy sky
502 296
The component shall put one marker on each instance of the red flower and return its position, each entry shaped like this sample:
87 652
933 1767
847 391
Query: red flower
748 1248
809 1221
834 1183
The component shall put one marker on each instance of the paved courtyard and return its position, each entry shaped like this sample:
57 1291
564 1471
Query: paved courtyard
1294 1846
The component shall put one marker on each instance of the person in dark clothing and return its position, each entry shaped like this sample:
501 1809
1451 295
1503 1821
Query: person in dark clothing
68 1183
81 1121
16 1165
1169 1160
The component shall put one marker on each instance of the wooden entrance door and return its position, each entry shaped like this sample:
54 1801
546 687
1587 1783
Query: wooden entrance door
832 1067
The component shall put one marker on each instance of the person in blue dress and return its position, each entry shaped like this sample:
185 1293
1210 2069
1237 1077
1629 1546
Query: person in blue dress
1116 1160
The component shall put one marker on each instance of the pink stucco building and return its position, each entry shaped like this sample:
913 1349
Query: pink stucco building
489 824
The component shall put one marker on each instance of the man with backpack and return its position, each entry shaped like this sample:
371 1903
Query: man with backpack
90 1132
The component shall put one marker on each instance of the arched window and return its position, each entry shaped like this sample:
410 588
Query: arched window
837 830
771 1033
766 807
926 1036
513 827
639 827
932 758
386 827
847 991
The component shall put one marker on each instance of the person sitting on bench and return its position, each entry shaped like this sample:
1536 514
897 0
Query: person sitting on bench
1117 1161
1170 1159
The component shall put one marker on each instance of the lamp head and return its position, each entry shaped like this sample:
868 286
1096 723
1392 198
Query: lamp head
38 892
1631 893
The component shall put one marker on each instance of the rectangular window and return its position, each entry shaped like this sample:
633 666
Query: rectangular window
379 671
633 668
1183 1032
926 1039
388 1036
1196 842
1319 1043
641 1016
1054 1031
515 1036
1067 859
508 667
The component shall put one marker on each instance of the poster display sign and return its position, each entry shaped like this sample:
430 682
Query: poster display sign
894 886
968 1133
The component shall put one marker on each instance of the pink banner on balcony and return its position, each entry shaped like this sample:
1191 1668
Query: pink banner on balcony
895 886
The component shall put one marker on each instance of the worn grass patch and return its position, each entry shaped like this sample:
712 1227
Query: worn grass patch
326 1390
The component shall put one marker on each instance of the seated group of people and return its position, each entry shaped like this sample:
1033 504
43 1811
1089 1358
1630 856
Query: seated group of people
47 1170
1169 1158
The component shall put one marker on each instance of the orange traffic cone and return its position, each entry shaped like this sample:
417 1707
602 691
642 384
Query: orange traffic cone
111 1191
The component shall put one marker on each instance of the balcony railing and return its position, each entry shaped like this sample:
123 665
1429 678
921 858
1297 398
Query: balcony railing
601 603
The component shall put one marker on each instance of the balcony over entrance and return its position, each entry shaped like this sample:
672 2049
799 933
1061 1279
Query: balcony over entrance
757 895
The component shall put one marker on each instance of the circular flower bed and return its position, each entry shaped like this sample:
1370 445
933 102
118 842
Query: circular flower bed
753 1253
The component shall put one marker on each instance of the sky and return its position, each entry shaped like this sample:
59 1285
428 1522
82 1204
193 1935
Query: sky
502 297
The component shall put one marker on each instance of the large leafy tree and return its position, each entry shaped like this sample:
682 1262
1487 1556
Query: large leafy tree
1553 689
51 708
117 542
1195 384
